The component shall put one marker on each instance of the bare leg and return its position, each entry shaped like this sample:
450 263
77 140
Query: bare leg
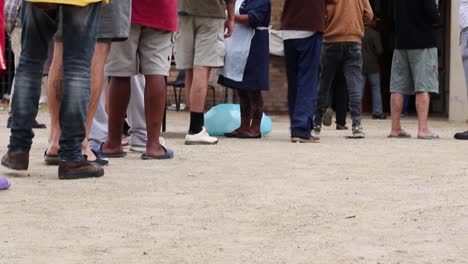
54 95
396 102
188 86
119 96
155 102
245 111
256 102
422 107
97 79
199 88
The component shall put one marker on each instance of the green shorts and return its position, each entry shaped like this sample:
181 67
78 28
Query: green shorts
415 71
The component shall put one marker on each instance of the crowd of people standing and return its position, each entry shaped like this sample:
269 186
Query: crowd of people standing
111 61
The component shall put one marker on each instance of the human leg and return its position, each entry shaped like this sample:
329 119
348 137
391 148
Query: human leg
121 64
98 133
38 28
377 106
97 79
396 104
119 98
422 107
256 102
400 86
79 40
136 113
464 51
155 102
332 55
352 69
425 70
54 95
307 81
341 100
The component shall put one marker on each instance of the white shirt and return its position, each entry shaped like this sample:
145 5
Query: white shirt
463 19
299 34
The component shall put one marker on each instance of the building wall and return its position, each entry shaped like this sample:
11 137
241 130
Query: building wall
276 98
458 102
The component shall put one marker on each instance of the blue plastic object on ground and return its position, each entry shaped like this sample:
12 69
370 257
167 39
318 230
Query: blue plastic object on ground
4 184
225 118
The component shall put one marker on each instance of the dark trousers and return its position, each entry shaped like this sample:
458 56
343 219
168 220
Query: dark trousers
302 63
80 28
340 99
345 57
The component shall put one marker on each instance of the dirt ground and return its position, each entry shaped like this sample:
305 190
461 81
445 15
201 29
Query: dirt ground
261 201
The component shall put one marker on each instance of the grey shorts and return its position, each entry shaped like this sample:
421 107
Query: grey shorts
114 23
415 71
200 42
147 51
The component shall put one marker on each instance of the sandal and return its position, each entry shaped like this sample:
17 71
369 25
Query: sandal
100 159
403 134
169 154
431 136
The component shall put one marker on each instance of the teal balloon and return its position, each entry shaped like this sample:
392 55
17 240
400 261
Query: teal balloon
225 118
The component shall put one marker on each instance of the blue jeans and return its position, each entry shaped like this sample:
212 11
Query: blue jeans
80 28
374 81
302 63
345 57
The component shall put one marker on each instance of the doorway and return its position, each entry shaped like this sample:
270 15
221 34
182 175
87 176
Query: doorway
439 103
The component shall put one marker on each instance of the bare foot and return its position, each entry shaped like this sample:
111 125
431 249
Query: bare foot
155 151
109 149
53 150
398 132
89 153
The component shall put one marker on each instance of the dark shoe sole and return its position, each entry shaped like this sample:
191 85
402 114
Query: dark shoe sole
328 117
304 140
17 167
76 175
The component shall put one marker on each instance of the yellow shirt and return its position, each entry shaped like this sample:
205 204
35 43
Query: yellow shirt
69 2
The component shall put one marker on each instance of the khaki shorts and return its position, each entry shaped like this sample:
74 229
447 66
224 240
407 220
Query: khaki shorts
200 42
147 51
415 71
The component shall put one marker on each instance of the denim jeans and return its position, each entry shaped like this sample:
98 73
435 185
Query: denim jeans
374 81
302 62
345 57
80 28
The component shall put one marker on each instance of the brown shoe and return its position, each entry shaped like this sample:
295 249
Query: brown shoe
70 170
16 159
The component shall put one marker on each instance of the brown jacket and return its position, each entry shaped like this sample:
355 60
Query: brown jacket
346 20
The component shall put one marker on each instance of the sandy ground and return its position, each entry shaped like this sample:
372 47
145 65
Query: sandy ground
268 201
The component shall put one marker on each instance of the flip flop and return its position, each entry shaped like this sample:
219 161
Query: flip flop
169 154
52 160
100 159
4 184
431 136
403 134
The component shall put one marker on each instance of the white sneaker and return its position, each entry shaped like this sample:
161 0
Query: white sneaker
141 149
202 138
